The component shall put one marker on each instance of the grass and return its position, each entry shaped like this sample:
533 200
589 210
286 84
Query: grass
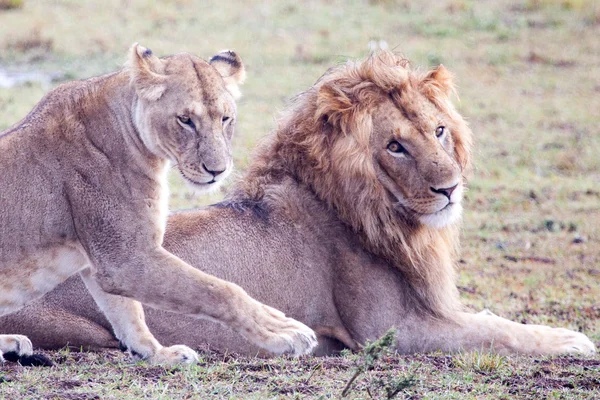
528 73
480 361
110 375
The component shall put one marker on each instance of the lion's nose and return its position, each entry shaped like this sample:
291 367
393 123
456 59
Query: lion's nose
213 172
445 191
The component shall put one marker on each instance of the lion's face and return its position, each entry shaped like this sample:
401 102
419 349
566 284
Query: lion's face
399 145
186 112
414 158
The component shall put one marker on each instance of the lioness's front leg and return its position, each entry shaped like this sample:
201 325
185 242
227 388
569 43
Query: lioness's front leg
162 280
127 319
486 331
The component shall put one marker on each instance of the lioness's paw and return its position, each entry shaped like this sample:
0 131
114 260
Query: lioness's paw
19 344
174 355
283 335
561 341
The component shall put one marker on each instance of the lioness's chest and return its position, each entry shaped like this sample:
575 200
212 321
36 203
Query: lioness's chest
161 205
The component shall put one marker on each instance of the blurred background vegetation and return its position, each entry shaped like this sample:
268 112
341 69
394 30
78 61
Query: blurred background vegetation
528 74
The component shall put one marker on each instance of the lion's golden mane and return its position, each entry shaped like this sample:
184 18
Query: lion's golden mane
323 142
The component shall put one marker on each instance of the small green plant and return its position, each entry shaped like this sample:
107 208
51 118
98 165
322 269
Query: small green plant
369 358
480 361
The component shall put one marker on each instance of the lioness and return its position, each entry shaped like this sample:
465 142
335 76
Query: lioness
84 190
347 219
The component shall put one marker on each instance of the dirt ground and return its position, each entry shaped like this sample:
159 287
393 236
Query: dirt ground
110 375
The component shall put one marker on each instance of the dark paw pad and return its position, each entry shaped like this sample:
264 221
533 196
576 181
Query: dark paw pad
133 353
137 355
122 346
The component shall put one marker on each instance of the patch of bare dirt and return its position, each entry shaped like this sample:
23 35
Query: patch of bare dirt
565 362
74 396
310 390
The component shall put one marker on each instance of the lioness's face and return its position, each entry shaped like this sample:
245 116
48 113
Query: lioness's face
414 158
191 122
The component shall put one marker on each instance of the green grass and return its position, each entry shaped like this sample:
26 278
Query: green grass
528 73
110 375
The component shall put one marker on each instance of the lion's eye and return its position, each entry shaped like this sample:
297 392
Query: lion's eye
225 120
395 147
185 120
439 131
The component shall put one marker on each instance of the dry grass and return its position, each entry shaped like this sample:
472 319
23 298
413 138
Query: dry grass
529 80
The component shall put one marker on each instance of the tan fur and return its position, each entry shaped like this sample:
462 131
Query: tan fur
341 108
340 232
84 189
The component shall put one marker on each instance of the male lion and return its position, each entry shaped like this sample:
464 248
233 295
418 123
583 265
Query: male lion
347 219
84 190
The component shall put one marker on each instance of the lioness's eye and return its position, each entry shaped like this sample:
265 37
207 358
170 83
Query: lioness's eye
395 147
439 131
225 119
185 120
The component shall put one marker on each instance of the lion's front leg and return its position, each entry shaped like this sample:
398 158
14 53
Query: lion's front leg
127 319
486 331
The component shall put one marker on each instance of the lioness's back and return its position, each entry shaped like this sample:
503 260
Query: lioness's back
37 156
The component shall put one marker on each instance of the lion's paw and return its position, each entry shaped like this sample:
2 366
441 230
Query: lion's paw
282 335
562 341
174 355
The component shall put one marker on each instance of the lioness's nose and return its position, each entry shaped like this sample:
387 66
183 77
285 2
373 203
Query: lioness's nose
213 172
445 191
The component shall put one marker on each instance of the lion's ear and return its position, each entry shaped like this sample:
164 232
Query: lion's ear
332 102
146 73
438 81
231 68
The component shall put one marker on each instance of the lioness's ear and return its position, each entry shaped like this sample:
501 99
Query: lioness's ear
146 73
439 80
231 68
